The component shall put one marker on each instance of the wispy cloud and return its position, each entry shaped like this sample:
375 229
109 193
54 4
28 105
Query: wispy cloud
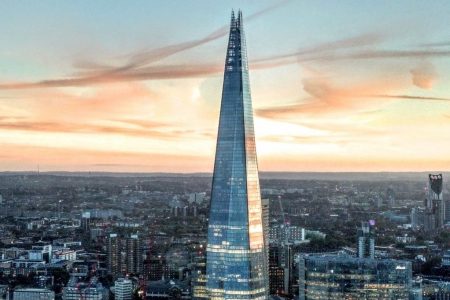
330 55
388 54
147 73
411 97
366 39
424 75
437 44
326 97
144 58
153 131
139 65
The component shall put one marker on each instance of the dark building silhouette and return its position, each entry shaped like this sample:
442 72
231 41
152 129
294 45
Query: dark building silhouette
133 257
113 255
434 204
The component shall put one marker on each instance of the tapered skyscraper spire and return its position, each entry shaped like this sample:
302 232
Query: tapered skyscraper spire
236 254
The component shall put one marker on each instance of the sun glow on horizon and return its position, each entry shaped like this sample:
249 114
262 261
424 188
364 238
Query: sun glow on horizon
363 101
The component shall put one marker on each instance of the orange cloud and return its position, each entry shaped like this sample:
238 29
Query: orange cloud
129 109
139 65
22 157
150 131
424 75
324 97
110 101
356 163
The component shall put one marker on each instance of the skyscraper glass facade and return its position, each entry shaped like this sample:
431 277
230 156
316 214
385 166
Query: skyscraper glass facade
236 255
338 277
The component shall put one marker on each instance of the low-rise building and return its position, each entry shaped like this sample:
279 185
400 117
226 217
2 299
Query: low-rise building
33 294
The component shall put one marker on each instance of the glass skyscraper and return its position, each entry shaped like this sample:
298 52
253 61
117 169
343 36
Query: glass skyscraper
236 265
345 277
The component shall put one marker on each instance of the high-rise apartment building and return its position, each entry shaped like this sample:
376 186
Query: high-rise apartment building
113 254
124 255
434 204
236 253
133 255
366 241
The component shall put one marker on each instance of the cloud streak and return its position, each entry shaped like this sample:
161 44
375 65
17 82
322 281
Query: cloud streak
324 97
149 130
410 97
148 73
318 107
137 66
424 75
437 44
145 58
139 69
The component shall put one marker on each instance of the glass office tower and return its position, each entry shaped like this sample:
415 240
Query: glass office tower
236 256
345 277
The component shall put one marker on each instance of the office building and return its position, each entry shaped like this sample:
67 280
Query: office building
281 266
266 220
236 254
33 294
123 289
168 289
446 259
92 290
86 221
417 217
155 268
366 241
345 277
198 281
41 252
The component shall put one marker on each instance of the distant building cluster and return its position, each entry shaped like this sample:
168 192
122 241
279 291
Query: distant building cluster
147 251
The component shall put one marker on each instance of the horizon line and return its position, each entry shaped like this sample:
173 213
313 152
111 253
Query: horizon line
200 172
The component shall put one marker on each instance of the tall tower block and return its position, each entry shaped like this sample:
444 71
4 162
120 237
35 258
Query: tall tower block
236 265
434 203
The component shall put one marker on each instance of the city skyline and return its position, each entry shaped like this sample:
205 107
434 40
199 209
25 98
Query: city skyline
136 88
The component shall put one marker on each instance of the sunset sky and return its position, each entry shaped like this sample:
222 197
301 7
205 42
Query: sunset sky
136 85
